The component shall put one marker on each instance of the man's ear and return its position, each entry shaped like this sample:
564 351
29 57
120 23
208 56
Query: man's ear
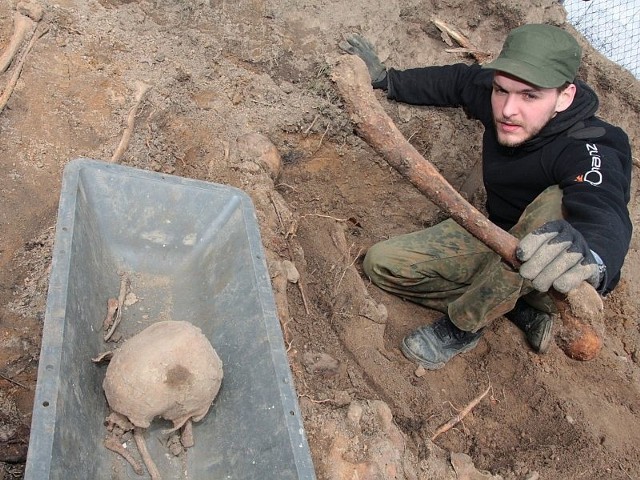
565 98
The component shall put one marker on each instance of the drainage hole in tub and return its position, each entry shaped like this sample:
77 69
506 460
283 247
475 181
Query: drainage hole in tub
45 404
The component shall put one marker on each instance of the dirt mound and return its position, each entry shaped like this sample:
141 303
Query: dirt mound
220 72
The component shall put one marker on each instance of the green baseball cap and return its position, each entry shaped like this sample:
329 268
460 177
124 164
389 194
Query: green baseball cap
542 55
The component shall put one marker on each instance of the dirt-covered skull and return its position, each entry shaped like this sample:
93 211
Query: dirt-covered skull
169 370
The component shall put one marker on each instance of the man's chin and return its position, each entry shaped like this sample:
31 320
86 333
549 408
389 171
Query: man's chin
512 141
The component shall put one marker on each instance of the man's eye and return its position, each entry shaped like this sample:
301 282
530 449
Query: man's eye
530 96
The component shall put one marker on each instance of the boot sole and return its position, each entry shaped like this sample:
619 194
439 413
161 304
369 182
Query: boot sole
426 363
546 338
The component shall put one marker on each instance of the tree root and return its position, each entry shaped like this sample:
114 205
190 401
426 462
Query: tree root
463 413
141 90
22 25
11 84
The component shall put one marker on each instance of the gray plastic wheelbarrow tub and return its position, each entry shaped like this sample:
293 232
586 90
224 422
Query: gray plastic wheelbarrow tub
193 252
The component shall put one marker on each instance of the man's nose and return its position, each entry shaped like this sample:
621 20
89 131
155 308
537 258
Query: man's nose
510 106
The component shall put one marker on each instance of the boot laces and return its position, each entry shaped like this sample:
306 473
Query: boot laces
446 329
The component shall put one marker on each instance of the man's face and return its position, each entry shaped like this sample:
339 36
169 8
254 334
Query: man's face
520 109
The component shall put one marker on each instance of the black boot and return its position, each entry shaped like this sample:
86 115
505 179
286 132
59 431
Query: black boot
535 324
434 345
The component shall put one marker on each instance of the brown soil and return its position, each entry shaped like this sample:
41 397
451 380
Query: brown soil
220 70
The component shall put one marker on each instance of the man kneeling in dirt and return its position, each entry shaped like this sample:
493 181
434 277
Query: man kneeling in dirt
556 177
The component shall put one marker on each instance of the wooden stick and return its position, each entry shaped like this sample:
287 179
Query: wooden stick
22 25
11 84
463 413
464 42
351 76
141 90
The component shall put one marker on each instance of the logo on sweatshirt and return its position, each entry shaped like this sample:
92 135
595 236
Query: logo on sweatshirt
593 176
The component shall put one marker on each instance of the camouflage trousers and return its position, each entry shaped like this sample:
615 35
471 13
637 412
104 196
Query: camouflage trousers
446 268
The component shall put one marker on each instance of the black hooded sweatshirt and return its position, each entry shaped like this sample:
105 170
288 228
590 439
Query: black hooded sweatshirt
588 158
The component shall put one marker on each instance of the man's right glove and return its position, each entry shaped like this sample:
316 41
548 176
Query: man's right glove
557 254
358 45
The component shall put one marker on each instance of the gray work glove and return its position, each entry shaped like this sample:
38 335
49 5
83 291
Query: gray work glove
358 45
557 254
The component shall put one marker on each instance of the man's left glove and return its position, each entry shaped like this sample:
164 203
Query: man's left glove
358 45
557 254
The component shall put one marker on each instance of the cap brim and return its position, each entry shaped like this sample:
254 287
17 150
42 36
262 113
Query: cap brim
526 72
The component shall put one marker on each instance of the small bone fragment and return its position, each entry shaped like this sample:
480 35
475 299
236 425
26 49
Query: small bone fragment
124 284
144 453
174 445
113 444
187 435
130 299
112 308
117 421
103 357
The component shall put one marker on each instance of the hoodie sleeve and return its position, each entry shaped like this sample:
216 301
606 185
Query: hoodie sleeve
595 177
458 85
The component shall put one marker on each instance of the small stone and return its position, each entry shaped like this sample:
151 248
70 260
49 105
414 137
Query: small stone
257 148
341 398
354 414
405 113
287 87
322 363
31 9
291 271
249 167
376 312
420 371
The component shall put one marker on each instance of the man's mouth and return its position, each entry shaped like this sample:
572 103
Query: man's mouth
508 127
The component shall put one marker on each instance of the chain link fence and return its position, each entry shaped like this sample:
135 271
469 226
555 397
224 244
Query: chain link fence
611 26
